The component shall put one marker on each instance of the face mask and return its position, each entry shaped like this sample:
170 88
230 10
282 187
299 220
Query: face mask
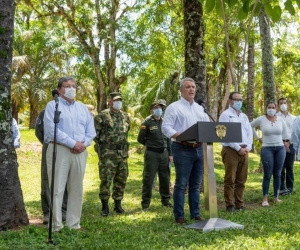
271 112
157 112
237 105
117 105
283 107
70 93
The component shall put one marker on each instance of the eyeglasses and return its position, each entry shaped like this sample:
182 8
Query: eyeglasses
237 100
69 86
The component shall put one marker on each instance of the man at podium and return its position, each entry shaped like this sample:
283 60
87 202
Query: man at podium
235 155
187 155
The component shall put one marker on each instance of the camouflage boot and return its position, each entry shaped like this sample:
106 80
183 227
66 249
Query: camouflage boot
105 208
118 208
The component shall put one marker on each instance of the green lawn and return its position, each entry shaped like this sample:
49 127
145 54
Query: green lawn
274 227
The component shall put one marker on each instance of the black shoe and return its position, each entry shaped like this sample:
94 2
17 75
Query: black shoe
118 207
230 209
105 208
290 190
167 205
242 208
46 219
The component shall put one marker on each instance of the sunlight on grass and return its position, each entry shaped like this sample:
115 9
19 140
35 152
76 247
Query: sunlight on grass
275 227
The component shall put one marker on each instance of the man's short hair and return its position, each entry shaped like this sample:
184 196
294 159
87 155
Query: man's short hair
186 79
65 79
232 93
280 99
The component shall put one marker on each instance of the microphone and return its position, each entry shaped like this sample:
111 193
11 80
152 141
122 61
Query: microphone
201 103
55 94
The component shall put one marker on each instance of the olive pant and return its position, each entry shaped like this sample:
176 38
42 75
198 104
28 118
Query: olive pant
236 171
156 163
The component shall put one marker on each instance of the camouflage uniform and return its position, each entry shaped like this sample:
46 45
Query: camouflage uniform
156 159
112 147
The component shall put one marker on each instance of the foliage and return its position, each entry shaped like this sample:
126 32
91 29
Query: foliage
275 227
272 7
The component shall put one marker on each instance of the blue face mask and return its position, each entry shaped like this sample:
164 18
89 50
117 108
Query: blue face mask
157 112
237 105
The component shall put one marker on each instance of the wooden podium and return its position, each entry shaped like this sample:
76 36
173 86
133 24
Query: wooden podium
207 133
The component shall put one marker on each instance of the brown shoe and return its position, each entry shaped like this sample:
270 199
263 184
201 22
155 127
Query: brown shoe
180 221
198 218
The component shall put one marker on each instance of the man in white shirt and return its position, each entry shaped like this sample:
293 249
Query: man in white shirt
75 132
187 156
287 173
235 155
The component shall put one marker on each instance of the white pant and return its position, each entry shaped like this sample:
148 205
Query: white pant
69 169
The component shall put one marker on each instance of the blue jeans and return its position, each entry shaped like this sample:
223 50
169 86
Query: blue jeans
272 158
287 173
188 163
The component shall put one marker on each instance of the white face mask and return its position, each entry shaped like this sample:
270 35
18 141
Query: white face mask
117 105
271 112
70 93
283 107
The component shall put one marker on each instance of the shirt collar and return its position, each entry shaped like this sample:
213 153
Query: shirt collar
186 102
65 102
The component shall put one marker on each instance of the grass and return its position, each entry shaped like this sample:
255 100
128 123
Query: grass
275 227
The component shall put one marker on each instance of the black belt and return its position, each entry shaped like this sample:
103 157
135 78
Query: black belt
193 145
52 142
157 150
114 146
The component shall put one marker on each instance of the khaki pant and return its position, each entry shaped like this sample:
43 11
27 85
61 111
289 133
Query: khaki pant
69 170
236 171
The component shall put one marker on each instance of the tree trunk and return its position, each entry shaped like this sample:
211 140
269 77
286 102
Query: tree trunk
251 78
267 57
195 66
218 93
12 209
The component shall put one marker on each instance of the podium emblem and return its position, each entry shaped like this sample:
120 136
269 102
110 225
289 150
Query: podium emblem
221 131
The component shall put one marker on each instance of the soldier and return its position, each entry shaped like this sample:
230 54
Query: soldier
157 156
112 126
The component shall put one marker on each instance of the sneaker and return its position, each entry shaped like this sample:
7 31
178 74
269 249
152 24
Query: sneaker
242 208
283 192
290 190
265 204
230 209
46 219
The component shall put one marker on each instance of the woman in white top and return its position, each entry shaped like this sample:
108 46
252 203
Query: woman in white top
273 152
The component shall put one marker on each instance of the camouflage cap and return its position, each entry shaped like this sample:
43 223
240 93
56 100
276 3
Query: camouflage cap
115 96
160 102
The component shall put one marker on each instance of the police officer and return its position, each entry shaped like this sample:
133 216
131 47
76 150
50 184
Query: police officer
157 156
112 126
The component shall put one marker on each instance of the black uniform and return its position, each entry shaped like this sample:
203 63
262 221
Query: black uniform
156 159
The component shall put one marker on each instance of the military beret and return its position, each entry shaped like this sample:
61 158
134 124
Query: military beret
160 102
115 96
